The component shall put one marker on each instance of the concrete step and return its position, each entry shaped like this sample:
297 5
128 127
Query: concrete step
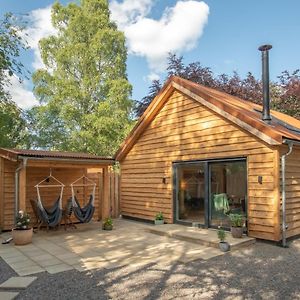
205 237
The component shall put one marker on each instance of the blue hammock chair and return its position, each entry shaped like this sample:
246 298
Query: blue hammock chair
50 216
84 214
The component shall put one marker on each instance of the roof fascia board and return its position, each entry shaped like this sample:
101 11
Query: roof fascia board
226 115
9 155
66 160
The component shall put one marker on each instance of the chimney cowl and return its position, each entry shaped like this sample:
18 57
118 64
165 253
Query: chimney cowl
265 47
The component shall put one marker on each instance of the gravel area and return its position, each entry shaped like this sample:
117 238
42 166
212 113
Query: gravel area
262 271
5 271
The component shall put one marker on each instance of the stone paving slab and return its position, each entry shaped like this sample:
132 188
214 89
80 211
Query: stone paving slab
8 295
30 271
207 237
17 283
58 268
130 243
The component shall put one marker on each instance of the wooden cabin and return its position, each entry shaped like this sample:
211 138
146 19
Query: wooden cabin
197 154
21 170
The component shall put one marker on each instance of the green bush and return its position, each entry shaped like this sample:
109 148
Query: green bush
237 220
221 234
108 222
159 216
22 220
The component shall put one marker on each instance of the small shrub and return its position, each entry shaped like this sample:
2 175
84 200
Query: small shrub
221 234
108 222
22 220
159 216
237 220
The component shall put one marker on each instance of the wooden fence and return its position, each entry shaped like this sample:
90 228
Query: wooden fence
114 192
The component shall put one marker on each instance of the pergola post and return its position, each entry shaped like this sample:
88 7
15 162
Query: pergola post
105 194
22 189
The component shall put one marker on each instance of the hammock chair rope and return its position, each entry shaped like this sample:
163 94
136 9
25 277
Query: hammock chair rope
53 215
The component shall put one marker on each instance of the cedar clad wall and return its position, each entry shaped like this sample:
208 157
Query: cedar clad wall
184 130
50 195
293 192
8 194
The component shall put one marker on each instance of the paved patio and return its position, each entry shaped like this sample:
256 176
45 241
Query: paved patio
88 247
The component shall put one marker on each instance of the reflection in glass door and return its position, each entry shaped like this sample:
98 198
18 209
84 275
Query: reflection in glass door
191 193
228 190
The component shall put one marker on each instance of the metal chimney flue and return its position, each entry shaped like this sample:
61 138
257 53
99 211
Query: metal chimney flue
266 116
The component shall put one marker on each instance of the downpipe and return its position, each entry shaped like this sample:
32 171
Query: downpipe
23 165
283 195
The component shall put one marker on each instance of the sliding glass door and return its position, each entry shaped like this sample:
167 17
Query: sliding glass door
207 191
228 191
191 193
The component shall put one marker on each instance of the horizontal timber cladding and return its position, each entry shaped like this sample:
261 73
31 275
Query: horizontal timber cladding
50 195
292 191
8 193
184 130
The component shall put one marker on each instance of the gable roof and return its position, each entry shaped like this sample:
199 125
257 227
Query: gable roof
245 114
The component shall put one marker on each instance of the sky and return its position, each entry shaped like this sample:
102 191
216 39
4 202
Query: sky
222 34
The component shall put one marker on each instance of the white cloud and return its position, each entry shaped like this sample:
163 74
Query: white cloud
20 93
41 26
152 76
178 30
129 11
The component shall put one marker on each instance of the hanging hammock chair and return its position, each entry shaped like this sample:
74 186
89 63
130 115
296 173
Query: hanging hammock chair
84 214
50 216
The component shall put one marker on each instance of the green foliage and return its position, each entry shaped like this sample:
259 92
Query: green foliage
221 234
159 216
12 126
12 122
108 222
284 94
22 220
84 91
237 220
11 45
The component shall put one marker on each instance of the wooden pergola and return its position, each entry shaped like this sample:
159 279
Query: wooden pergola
21 169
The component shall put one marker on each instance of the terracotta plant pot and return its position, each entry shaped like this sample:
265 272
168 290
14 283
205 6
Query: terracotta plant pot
22 237
224 246
159 222
237 232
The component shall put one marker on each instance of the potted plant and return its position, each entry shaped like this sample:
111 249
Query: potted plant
237 223
224 246
108 224
159 219
22 234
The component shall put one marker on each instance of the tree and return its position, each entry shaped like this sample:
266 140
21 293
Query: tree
12 123
141 106
12 126
288 100
83 90
285 94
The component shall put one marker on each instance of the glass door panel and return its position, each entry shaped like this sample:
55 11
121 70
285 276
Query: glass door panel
191 193
228 191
